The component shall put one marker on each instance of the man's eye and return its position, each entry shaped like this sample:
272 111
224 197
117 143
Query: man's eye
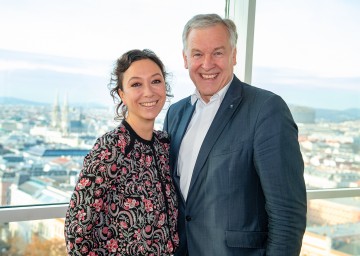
197 55
218 53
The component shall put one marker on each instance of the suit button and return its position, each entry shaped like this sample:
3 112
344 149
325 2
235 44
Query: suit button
188 218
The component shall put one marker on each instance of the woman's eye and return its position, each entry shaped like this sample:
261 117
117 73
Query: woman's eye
156 81
135 85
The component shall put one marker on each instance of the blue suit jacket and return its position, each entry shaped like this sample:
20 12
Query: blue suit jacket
247 195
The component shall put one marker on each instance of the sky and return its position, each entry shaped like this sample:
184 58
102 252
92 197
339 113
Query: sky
78 41
305 50
308 51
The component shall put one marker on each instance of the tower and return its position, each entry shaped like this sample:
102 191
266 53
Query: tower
55 120
65 116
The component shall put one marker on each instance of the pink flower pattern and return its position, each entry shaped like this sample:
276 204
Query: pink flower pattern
124 202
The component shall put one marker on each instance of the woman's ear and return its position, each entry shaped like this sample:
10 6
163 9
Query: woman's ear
121 94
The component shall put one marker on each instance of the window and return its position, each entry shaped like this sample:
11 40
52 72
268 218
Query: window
58 58
307 52
55 64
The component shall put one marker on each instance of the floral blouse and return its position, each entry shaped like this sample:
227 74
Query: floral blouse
124 202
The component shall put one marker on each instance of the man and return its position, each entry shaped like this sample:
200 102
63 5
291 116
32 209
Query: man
235 155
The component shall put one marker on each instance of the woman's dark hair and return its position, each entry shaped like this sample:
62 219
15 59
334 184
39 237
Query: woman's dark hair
122 64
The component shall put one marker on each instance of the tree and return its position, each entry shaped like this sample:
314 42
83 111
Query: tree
41 247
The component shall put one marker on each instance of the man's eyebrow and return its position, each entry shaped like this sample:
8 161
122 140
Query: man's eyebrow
195 50
219 48
216 49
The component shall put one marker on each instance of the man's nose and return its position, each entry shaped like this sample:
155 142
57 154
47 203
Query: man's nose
208 62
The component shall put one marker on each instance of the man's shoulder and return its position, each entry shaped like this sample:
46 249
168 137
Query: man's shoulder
254 93
182 101
246 89
257 96
257 90
180 104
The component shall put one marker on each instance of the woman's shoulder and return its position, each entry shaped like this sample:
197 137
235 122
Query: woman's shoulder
119 136
162 135
162 140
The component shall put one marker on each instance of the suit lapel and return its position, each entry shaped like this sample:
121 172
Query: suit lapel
227 108
181 129
176 140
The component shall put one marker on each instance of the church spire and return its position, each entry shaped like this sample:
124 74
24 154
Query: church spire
55 120
65 116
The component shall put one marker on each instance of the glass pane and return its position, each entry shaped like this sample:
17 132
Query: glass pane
308 53
41 237
55 64
333 227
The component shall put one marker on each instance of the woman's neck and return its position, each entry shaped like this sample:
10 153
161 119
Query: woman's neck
142 128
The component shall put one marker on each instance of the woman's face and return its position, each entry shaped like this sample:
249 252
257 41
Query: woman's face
144 91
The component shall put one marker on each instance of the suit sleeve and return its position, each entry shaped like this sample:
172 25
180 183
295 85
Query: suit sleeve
166 121
280 166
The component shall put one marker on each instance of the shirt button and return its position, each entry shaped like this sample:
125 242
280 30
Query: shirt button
188 218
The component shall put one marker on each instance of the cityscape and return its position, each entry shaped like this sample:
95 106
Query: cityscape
42 147
55 62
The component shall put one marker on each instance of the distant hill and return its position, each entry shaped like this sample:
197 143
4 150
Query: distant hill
324 115
17 101
304 114
329 115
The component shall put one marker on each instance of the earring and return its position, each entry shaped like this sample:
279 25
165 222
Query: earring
124 110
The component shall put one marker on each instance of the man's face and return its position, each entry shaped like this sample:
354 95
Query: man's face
210 59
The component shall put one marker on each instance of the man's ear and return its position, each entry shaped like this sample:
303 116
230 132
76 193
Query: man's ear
234 56
185 60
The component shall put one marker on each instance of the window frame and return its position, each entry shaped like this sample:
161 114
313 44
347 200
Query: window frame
243 13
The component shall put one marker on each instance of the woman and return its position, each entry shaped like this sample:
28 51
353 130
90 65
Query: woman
124 202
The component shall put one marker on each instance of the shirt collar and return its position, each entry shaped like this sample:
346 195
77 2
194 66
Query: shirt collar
220 94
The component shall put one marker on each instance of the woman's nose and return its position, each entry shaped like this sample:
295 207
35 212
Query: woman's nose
148 90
